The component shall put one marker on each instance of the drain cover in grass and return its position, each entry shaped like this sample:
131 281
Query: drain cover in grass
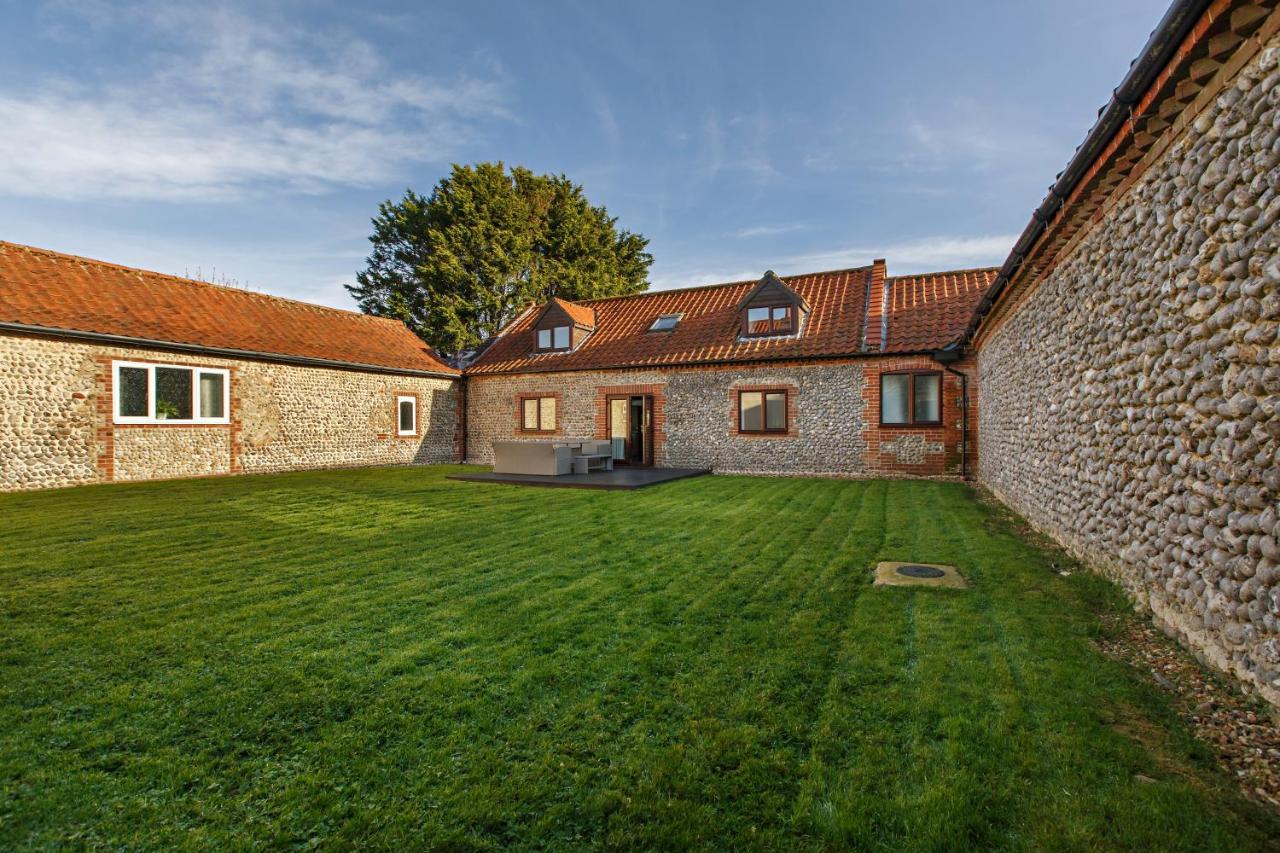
921 572
918 574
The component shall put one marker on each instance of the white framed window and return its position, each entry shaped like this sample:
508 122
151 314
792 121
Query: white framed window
150 393
406 415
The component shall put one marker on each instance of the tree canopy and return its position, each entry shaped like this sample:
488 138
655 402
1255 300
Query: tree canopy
458 265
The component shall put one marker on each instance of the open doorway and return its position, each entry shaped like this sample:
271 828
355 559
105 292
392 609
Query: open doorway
631 428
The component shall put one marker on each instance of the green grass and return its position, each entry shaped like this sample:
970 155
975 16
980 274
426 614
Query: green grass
388 657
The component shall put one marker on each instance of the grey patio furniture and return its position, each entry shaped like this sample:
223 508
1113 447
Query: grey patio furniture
532 457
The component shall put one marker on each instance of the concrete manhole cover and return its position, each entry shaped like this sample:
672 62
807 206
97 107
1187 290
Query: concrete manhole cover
914 571
891 573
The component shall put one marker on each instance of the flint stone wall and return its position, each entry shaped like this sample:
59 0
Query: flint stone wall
1129 406
831 420
697 428
56 426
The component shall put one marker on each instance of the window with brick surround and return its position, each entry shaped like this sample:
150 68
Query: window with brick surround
910 399
762 411
148 393
538 414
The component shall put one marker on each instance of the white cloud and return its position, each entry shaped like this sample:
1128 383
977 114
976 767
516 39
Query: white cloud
769 230
697 276
922 255
929 254
233 106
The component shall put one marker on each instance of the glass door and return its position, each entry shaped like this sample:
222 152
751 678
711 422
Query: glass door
618 427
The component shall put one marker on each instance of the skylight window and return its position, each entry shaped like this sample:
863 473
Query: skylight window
665 322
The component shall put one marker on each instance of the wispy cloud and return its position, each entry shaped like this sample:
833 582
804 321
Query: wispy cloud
922 255
696 276
740 144
769 230
231 107
945 139
926 254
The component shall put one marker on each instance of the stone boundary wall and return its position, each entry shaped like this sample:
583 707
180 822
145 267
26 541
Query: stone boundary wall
833 418
1130 401
56 425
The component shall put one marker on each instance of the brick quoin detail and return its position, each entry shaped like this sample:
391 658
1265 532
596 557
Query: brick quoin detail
235 436
659 414
104 435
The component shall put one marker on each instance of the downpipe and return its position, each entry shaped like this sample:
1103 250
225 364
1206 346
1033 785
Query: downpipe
946 358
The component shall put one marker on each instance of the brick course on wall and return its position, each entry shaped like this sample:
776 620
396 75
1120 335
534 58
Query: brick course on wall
832 419
56 427
1131 402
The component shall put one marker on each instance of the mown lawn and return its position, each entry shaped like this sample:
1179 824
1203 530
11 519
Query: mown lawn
388 657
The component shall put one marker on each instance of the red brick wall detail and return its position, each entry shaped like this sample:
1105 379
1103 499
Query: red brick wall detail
657 392
949 433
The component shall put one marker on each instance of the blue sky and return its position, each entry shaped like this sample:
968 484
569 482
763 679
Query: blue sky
255 140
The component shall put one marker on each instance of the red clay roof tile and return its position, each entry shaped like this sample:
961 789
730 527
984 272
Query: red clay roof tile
708 331
578 313
925 312
52 290
930 310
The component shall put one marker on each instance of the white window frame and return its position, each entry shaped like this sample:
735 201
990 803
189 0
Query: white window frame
150 417
403 398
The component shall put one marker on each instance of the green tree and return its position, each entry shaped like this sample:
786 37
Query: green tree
458 265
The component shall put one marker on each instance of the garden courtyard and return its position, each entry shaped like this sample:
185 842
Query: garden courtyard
390 658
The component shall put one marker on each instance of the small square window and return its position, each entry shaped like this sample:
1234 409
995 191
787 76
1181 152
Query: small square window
762 411
544 339
665 323
538 414
910 398
770 320
758 321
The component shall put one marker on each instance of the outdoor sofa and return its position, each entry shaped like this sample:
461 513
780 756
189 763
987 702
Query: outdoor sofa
551 458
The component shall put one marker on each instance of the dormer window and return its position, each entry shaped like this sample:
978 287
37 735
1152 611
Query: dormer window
554 339
562 326
772 309
665 322
770 320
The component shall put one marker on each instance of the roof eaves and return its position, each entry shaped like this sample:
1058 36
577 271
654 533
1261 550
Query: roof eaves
256 355
1161 49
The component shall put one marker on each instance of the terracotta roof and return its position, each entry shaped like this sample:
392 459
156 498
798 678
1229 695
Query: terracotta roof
930 310
580 314
56 291
933 311
708 330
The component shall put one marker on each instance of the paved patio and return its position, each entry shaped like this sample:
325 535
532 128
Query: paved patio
620 478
